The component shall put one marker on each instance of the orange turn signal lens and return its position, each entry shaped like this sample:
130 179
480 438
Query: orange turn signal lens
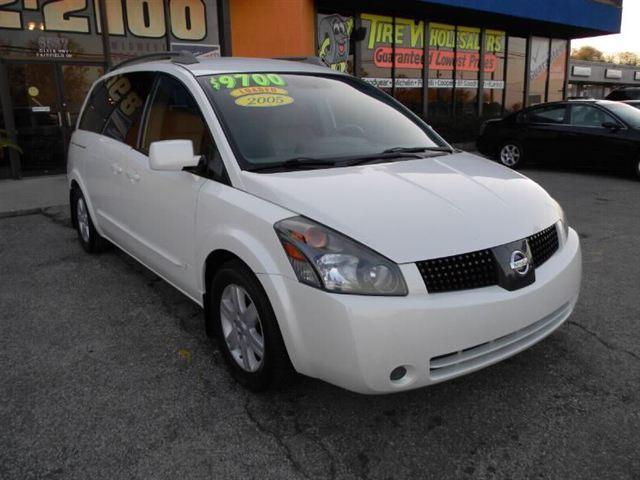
293 252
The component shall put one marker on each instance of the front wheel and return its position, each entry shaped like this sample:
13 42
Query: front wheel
247 329
511 154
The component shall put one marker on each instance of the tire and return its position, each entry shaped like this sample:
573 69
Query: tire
636 168
88 236
236 293
511 154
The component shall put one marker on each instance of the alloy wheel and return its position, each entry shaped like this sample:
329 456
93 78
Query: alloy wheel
510 155
82 216
241 328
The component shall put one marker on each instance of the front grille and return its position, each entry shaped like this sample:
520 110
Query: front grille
543 244
480 269
460 272
469 359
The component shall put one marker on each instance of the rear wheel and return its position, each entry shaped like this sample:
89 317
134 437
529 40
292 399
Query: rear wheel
636 168
511 154
247 329
88 236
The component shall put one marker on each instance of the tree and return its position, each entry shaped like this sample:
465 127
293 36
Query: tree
587 53
627 58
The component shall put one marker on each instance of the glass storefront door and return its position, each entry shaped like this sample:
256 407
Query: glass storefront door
46 100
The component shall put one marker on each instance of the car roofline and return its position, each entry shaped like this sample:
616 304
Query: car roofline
224 65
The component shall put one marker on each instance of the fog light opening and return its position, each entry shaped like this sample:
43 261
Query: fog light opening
402 375
398 373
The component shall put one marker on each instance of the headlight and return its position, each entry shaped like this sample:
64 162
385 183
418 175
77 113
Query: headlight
564 227
326 259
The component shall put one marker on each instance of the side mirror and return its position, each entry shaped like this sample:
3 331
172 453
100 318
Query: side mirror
172 155
613 126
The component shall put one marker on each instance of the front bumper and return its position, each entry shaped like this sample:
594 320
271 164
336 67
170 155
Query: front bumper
355 341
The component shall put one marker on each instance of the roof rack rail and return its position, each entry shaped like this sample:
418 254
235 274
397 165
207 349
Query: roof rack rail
312 60
182 57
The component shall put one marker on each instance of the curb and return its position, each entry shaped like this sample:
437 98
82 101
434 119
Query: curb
28 211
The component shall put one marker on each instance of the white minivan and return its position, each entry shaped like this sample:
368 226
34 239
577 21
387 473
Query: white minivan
323 227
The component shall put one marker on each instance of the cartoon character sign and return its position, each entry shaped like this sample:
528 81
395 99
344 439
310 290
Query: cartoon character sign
333 40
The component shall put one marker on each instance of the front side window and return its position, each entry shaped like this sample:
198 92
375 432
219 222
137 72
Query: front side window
629 114
555 114
174 115
272 118
588 116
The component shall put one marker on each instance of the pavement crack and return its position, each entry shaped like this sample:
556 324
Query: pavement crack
278 439
603 342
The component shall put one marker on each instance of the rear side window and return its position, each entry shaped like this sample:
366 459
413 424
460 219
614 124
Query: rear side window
554 114
127 94
97 110
174 115
115 106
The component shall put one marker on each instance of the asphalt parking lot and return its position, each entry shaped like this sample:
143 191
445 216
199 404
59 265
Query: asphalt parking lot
105 372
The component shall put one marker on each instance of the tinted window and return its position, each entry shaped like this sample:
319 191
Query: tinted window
555 114
275 117
115 106
97 110
127 95
588 116
624 94
174 115
630 115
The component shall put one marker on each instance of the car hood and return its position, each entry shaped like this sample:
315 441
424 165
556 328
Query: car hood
415 209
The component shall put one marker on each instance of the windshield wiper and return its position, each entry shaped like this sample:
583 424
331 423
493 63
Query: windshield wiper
390 154
298 163
418 149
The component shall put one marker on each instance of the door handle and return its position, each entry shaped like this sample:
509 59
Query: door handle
59 119
116 169
69 120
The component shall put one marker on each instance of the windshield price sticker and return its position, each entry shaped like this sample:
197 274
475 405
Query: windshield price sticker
264 100
246 80
239 92
258 96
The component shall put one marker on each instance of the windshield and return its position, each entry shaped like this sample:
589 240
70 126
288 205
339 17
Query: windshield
274 118
627 113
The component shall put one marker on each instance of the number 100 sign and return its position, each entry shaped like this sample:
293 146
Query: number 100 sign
141 18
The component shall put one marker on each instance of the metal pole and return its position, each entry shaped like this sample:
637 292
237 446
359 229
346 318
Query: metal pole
357 61
567 70
393 61
425 69
104 26
546 85
9 124
527 72
224 27
504 74
167 24
454 71
483 48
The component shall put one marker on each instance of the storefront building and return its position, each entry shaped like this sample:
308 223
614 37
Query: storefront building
444 59
598 79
